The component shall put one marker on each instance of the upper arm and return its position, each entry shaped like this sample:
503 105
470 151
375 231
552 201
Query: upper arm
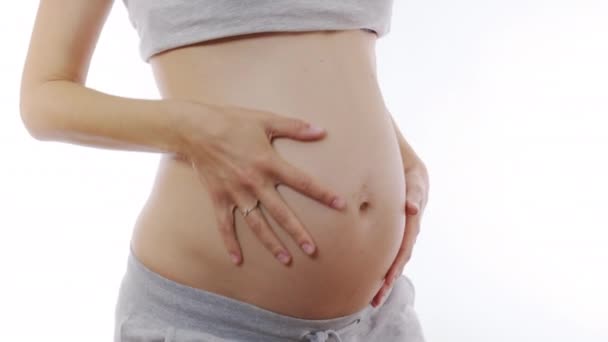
63 40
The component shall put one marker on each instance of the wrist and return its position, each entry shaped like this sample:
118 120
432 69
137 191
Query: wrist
183 114
195 123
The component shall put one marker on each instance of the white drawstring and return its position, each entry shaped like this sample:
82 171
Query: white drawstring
324 335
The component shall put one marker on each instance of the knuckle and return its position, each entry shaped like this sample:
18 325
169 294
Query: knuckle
413 188
218 196
247 177
230 243
293 227
288 222
296 231
297 124
217 200
281 216
225 228
305 184
263 161
326 196
417 188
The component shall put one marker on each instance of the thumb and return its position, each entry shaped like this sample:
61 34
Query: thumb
293 128
411 208
413 201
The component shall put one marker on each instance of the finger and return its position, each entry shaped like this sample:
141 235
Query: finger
225 218
260 227
411 208
414 200
377 300
395 269
398 264
293 128
302 182
412 229
285 218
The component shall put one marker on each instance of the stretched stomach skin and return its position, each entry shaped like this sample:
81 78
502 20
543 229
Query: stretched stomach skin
327 78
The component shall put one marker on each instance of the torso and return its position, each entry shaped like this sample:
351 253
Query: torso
324 77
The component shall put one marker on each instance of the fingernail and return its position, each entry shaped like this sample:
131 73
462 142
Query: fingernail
283 257
338 203
312 129
235 258
308 248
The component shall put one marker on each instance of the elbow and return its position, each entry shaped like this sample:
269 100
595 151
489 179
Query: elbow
27 117
33 116
32 121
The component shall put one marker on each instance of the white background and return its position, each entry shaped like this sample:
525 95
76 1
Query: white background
505 101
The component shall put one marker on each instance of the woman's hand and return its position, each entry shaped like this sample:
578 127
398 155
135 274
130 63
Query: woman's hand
230 149
417 188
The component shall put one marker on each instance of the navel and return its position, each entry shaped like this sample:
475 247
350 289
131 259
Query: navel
363 206
363 198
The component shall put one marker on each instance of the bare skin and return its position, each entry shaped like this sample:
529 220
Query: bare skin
326 77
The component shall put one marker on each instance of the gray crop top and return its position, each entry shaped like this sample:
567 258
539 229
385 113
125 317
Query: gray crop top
166 24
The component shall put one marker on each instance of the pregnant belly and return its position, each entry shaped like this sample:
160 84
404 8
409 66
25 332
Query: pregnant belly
176 233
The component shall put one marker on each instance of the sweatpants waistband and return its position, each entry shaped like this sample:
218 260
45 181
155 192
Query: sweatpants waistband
181 305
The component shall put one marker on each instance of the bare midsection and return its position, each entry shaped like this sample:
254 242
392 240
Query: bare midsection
327 79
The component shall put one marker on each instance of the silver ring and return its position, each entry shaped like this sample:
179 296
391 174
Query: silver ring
247 211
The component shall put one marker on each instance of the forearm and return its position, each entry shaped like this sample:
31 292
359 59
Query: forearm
70 112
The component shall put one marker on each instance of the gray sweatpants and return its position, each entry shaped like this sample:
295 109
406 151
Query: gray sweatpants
152 308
